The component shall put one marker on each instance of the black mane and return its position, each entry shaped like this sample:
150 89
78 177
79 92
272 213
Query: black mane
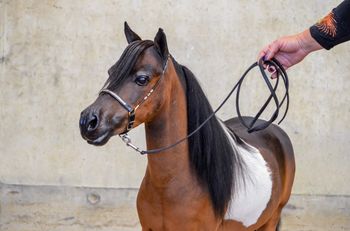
213 159
122 68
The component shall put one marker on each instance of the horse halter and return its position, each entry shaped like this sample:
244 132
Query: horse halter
132 110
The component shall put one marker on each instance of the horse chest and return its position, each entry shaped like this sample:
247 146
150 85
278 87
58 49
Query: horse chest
254 189
178 210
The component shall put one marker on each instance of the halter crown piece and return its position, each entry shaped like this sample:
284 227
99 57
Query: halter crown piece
251 127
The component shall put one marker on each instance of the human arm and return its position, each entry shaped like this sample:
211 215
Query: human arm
334 28
290 50
328 32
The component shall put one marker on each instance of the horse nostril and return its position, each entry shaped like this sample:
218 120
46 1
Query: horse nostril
93 123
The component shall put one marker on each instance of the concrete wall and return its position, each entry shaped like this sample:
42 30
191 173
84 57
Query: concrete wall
54 59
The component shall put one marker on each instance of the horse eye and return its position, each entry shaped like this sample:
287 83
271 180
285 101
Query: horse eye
142 80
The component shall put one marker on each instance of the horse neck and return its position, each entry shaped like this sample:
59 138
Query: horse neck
166 128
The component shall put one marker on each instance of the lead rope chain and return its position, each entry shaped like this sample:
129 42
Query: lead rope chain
281 73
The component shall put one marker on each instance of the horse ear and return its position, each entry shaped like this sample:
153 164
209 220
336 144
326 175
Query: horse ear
130 35
161 43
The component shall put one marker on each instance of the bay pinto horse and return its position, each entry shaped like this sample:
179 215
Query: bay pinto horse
220 179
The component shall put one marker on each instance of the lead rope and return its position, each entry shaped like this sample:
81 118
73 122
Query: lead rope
280 72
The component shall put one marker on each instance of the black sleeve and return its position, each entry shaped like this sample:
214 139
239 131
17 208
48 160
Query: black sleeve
333 28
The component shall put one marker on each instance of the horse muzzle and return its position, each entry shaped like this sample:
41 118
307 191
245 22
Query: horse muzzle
98 124
91 129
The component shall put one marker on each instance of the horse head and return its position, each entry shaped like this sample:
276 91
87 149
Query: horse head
127 98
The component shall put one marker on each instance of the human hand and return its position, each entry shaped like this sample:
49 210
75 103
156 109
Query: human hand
290 50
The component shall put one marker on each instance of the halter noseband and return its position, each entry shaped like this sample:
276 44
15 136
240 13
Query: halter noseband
132 110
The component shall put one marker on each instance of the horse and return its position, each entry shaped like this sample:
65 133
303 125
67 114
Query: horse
220 179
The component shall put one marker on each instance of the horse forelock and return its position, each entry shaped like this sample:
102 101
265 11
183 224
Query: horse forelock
213 156
125 64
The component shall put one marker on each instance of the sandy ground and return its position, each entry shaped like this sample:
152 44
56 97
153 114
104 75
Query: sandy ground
51 208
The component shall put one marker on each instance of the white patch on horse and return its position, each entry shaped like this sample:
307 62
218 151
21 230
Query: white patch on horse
253 189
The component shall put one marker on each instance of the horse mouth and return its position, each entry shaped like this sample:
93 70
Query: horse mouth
101 140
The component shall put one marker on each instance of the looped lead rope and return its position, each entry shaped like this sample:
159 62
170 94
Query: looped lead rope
252 127
281 73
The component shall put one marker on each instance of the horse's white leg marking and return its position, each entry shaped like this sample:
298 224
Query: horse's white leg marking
254 187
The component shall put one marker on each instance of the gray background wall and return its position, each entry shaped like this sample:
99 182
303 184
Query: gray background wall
54 59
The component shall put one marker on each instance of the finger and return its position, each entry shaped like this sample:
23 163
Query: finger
281 58
271 69
273 48
262 53
274 75
262 56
